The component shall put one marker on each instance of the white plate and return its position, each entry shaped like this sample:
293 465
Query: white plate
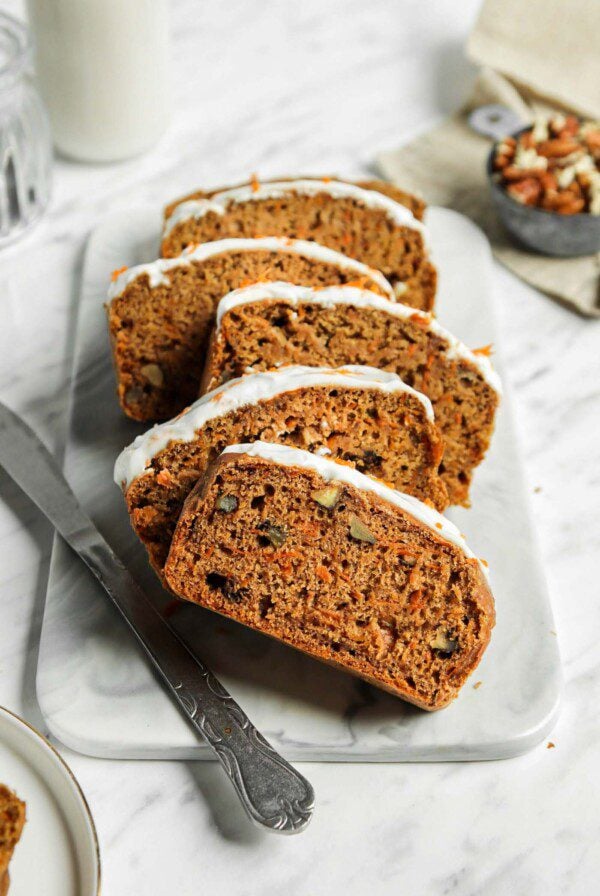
99 696
58 853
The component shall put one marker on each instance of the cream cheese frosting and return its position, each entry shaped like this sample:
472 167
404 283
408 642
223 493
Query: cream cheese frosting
135 459
157 271
331 471
218 203
359 298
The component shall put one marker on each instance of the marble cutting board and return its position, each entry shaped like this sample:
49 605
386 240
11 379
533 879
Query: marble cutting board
99 696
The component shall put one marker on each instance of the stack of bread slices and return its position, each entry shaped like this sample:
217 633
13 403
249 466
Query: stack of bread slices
312 422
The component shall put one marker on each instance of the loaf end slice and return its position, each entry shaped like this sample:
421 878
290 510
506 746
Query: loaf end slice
365 224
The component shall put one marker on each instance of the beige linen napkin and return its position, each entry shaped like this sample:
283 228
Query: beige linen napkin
536 55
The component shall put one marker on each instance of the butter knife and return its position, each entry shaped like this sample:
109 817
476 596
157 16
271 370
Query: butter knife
272 792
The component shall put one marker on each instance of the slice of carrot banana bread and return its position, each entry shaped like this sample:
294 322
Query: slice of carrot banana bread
364 223
12 820
338 565
160 314
368 418
267 325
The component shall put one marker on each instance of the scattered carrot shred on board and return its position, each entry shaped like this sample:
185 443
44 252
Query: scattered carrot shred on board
550 745
116 273
255 183
484 350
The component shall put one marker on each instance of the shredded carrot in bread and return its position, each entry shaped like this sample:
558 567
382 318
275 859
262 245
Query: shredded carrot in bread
255 183
324 574
164 478
399 548
266 277
415 601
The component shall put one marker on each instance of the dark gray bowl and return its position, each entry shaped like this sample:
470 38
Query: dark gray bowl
547 232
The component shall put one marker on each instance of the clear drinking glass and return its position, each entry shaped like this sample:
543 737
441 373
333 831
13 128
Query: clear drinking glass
25 143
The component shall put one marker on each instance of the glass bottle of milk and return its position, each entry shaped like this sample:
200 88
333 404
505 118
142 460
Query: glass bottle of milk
102 67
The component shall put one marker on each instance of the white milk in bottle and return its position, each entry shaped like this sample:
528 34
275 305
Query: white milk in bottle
102 67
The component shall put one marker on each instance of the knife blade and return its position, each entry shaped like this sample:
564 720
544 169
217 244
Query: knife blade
274 794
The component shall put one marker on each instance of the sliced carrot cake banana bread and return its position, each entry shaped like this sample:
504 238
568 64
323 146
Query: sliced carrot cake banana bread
338 565
269 325
368 418
12 821
160 314
363 223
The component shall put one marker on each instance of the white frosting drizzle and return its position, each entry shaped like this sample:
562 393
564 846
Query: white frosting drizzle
134 460
157 271
197 208
359 298
331 471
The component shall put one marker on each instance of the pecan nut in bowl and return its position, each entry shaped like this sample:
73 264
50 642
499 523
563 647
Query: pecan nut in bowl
545 185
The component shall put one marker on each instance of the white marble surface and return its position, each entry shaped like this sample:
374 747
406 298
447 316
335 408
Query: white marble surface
276 86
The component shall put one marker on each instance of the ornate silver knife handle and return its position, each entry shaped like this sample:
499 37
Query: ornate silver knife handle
273 793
